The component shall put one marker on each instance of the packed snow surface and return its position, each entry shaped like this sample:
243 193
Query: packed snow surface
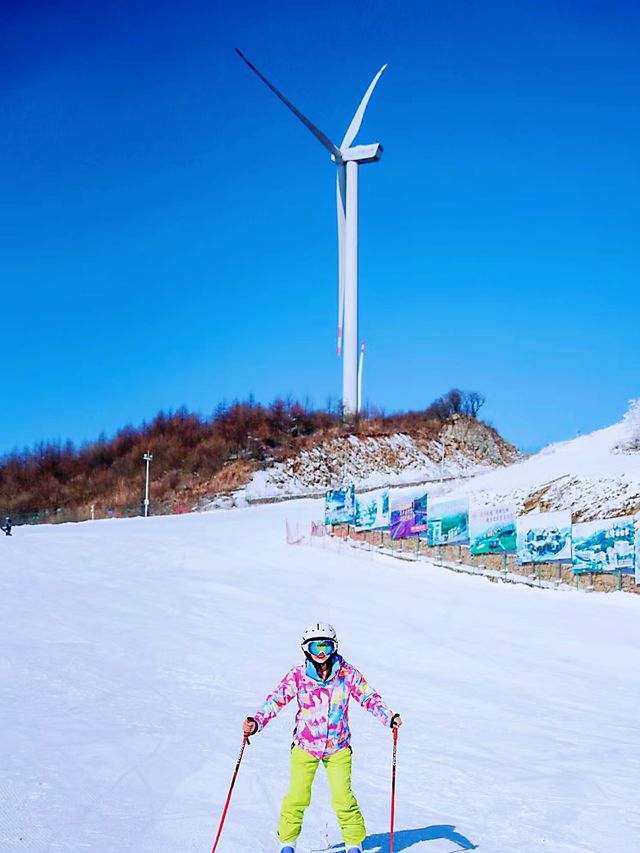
133 649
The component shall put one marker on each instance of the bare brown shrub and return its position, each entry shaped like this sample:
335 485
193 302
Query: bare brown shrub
193 456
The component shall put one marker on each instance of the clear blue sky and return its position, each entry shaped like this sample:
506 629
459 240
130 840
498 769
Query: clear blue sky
167 227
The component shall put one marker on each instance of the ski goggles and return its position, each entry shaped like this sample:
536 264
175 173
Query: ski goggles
320 647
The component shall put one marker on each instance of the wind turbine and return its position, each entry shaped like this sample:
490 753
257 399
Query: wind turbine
347 159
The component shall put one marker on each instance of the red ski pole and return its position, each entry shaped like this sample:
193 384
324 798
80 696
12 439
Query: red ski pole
393 788
226 805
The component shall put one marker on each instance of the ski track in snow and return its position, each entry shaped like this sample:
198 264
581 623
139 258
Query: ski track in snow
134 648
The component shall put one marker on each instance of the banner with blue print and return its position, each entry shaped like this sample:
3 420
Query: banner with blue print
605 545
544 537
448 522
492 529
419 506
636 542
340 506
372 510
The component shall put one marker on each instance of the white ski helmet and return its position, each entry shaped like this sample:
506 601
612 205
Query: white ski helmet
319 631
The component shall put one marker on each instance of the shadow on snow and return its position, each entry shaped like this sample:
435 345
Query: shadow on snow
405 838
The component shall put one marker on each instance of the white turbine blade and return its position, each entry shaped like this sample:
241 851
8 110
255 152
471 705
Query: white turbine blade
356 121
341 202
328 144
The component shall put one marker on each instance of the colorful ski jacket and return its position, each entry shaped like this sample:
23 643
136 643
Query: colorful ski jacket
322 721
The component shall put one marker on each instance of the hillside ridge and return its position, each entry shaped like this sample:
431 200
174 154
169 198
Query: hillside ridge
278 449
463 447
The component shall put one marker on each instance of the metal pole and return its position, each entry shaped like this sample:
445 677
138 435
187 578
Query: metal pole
226 805
350 350
147 457
393 789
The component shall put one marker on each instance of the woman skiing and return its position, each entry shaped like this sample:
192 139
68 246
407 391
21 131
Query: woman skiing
322 685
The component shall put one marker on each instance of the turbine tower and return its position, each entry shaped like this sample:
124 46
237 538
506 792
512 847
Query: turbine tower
347 159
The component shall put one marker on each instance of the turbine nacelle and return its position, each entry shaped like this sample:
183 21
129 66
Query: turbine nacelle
360 154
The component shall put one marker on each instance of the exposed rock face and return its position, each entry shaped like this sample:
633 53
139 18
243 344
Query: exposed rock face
476 441
587 499
465 446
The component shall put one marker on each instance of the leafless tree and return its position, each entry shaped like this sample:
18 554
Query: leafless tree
473 402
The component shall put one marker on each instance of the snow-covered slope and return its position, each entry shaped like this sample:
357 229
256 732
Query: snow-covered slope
132 650
591 475
595 475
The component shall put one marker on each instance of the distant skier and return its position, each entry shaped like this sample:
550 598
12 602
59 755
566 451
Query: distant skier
322 685
6 527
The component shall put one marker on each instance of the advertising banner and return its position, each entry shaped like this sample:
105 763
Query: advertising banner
420 513
448 522
492 529
372 510
637 547
408 517
544 537
402 520
605 545
340 506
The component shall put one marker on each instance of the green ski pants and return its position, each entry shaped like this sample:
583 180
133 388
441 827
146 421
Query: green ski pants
345 805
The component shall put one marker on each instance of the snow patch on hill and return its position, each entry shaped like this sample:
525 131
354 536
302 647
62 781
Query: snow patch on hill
588 475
